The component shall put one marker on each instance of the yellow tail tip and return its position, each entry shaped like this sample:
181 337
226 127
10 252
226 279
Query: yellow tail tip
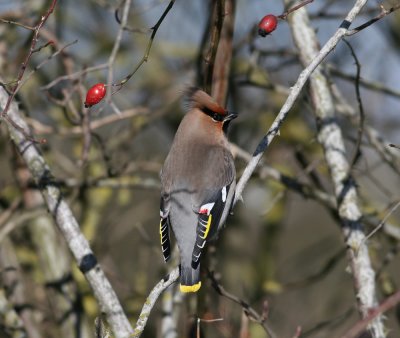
190 288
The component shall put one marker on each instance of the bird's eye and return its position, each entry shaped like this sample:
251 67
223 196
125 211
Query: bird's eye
215 117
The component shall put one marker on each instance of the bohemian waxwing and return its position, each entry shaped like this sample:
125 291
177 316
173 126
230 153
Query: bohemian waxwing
198 184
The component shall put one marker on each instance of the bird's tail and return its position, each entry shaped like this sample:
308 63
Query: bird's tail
190 278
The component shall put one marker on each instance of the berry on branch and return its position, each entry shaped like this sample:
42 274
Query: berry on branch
95 94
267 25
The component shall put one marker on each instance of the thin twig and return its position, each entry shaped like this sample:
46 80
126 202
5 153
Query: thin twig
74 76
382 223
375 138
294 93
6 214
360 129
24 65
44 62
383 13
42 128
250 312
125 26
284 15
22 69
20 219
117 44
386 305
148 48
375 86
18 24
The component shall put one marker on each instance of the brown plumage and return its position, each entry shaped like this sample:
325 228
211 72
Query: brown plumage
198 183
199 99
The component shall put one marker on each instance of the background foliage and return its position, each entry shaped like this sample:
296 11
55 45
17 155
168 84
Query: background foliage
280 245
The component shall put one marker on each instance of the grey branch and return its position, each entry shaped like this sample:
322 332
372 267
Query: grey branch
151 300
293 95
66 221
331 139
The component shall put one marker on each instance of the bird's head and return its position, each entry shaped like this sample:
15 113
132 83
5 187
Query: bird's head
200 100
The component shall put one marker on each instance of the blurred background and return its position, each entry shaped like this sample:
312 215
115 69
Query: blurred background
282 250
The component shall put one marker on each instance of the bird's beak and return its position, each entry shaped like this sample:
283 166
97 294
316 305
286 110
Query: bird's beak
230 116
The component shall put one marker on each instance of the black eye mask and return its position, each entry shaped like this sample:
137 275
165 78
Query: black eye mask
215 116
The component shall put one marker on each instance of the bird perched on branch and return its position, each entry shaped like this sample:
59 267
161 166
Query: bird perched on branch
198 184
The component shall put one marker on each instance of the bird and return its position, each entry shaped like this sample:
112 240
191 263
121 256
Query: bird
198 182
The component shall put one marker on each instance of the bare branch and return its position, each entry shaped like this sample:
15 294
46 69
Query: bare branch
331 139
360 129
386 305
66 221
117 43
294 93
382 223
249 311
383 13
23 67
151 300
284 15
218 14
148 48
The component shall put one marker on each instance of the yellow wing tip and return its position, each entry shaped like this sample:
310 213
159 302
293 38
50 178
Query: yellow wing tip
190 288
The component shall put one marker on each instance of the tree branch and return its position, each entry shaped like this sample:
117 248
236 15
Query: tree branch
331 139
294 94
66 221
151 300
386 305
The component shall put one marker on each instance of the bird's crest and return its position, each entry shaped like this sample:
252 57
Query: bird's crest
196 98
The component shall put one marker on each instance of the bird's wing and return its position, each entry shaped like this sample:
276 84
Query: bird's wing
214 200
209 216
165 227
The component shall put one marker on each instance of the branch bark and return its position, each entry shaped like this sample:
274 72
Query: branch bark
293 95
66 221
151 300
331 139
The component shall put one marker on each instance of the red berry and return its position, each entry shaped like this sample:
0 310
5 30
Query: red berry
95 94
267 25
